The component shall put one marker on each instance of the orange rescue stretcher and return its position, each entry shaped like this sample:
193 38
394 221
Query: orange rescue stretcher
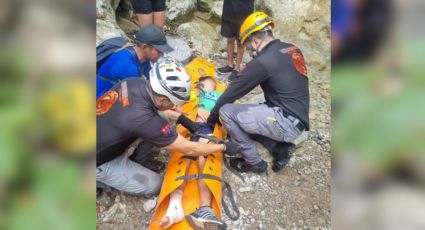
175 174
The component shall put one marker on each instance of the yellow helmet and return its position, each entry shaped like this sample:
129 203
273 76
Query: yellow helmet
253 23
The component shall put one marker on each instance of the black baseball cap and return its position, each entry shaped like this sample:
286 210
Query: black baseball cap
153 35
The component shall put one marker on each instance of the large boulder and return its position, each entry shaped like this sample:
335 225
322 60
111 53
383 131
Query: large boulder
128 26
306 23
106 25
202 35
180 11
206 5
307 20
216 11
182 52
125 10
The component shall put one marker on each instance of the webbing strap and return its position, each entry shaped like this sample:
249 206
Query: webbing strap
226 191
212 138
227 164
189 157
199 176
229 194
209 137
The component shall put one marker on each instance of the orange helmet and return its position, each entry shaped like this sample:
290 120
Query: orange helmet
253 23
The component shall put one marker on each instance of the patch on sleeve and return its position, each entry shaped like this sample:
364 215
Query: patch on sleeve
297 59
299 63
166 130
124 94
105 102
289 49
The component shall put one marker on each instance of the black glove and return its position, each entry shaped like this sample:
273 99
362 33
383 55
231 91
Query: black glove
212 119
231 148
193 127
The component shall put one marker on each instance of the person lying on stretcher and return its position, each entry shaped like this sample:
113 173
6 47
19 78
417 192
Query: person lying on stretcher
204 217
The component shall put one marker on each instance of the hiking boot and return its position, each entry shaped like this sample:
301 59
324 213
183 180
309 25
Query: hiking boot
240 165
154 165
226 69
150 163
233 75
282 153
204 218
99 192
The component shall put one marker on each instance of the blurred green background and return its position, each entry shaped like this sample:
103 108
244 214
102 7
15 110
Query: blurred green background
378 115
379 110
47 122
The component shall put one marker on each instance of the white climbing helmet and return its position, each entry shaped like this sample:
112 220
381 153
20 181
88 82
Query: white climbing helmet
170 79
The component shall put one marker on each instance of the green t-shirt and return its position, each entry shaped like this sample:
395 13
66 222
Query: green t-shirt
208 99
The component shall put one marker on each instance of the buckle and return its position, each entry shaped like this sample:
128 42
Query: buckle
299 125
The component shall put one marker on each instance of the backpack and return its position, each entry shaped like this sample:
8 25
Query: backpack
109 47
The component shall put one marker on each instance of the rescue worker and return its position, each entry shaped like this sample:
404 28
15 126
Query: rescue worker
279 69
134 61
129 111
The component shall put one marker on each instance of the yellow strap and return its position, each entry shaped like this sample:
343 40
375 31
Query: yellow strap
128 44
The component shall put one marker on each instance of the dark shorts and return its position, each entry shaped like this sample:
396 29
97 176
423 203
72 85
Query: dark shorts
229 29
148 6
204 128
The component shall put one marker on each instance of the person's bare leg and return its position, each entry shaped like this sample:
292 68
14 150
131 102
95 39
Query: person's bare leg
159 19
230 51
175 211
204 192
144 19
239 57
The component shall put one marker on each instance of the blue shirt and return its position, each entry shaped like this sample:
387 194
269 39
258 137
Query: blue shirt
342 15
120 65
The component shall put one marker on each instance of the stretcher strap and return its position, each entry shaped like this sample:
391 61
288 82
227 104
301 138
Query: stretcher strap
210 138
226 191
199 176
227 164
189 157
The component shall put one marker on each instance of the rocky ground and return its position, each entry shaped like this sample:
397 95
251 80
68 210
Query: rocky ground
298 197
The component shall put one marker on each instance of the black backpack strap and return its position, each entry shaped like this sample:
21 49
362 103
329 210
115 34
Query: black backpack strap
113 81
132 51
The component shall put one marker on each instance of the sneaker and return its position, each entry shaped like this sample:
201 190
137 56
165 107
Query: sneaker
226 69
204 218
240 165
282 153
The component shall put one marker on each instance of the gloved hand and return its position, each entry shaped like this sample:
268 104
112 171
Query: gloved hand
213 119
231 148
193 127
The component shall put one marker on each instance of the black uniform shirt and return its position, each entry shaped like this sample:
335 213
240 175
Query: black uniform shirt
280 71
125 113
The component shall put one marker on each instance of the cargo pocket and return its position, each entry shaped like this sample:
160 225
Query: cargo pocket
290 132
247 122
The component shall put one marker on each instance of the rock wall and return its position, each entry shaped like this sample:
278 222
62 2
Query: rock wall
305 23
106 23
